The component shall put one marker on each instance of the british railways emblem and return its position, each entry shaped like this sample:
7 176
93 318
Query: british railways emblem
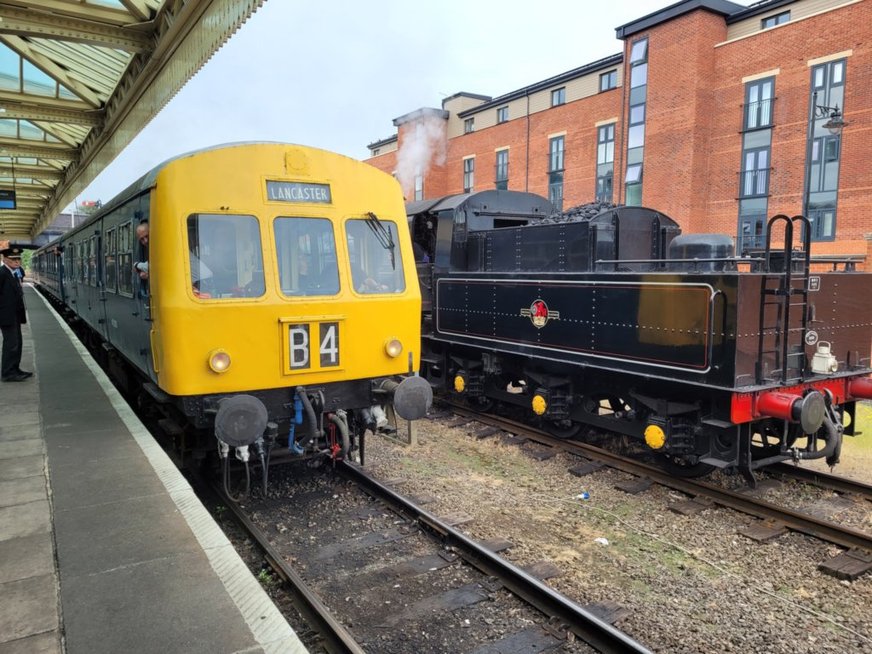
539 313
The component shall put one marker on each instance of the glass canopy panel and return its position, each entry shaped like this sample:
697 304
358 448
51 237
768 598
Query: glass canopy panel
10 69
29 131
37 82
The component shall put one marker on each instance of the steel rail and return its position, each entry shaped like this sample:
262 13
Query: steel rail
337 638
823 479
587 626
802 523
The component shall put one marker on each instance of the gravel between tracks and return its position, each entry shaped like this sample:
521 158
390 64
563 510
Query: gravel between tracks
690 583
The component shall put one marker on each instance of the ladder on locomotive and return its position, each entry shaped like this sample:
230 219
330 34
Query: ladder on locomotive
783 293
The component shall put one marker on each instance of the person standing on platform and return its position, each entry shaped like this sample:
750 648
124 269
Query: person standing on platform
12 316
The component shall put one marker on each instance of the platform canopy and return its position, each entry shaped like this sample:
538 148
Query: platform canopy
79 79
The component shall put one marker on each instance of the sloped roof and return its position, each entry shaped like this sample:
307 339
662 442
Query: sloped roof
80 78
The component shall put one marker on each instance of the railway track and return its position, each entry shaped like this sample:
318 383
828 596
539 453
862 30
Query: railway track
774 518
375 572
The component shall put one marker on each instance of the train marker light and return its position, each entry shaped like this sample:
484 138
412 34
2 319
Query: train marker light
219 361
459 383
539 404
655 437
394 348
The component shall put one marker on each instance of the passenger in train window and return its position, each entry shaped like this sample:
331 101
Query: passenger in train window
141 265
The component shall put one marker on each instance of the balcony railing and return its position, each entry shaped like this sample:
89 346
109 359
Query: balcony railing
757 115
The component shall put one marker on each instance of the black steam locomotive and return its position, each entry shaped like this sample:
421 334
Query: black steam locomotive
611 318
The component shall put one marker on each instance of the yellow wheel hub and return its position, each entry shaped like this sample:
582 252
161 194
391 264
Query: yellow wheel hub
655 437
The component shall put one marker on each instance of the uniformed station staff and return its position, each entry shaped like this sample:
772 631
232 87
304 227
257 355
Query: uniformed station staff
12 316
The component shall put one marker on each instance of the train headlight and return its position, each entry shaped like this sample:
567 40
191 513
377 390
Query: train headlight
219 361
540 404
394 348
459 383
655 437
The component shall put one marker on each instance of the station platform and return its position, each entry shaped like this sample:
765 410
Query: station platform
103 545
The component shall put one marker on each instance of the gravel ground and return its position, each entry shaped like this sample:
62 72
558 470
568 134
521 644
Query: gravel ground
690 583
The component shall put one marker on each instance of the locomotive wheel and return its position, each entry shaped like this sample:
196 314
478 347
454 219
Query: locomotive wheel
678 468
562 428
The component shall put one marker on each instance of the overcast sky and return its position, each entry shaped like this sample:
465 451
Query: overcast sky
335 74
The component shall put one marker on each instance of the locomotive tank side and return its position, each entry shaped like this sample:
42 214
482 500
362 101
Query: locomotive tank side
591 318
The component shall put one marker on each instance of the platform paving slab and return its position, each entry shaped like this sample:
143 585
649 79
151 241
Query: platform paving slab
22 607
29 556
24 466
205 613
15 449
19 433
45 643
22 491
24 520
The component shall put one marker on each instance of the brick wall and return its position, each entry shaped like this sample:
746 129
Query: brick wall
693 137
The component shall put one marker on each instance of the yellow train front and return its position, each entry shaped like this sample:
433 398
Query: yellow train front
281 296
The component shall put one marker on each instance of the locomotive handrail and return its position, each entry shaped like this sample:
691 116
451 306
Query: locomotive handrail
711 334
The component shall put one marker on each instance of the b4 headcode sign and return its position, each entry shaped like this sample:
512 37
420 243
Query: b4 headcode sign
298 192
318 341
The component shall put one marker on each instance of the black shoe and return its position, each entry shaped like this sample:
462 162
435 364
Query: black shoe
24 372
16 377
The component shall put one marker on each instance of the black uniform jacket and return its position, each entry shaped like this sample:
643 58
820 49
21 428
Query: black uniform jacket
11 299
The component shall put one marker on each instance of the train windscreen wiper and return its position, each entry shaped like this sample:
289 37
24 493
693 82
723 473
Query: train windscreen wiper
382 235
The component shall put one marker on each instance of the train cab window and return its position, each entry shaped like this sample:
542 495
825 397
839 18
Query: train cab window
306 253
376 264
225 256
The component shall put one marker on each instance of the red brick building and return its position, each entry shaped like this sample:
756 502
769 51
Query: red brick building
718 114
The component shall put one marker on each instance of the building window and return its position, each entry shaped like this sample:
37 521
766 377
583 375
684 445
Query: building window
558 97
758 103
555 171
502 170
419 187
636 122
605 162
375 152
609 80
777 19
468 125
502 114
468 175
555 153
824 150
755 173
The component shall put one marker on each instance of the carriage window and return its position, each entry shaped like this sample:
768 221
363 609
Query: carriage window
109 256
306 252
125 259
376 265
225 256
